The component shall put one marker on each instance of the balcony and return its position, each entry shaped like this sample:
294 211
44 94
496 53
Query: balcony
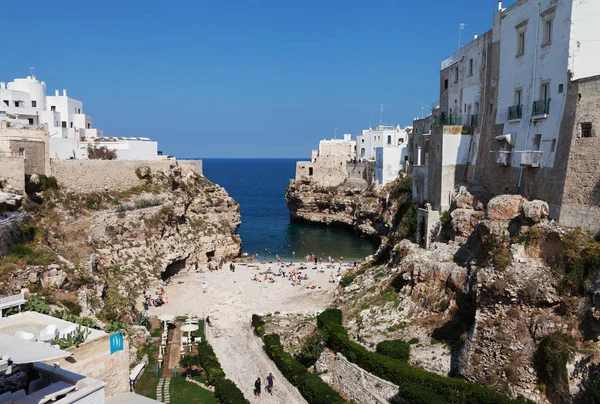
456 120
531 158
541 109
515 113
503 157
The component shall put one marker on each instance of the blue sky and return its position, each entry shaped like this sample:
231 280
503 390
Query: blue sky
254 78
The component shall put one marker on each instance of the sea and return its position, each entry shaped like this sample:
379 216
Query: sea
259 185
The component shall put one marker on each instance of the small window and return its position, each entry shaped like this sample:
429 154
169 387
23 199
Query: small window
491 109
79 110
89 125
561 88
470 67
389 139
71 125
362 140
548 32
53 108
7 103
33 104
521 44
21 152
553 146
30 121
586 129
456 74
446 84
310 171
17 103
518 96
545 91
64 124
537 141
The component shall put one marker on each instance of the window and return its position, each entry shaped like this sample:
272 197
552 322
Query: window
446 84
33 104
7 103
310 171
17 103
71 125
548 32
456 74
389 139
553 146
521 44
519 96
53 108
79 110
21 152
470 67
64 124
561 88
491 109
545 91
89 125
537 141
586 129
30 121
362 140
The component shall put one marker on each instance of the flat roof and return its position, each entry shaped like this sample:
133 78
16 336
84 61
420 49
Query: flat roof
30 321
130 398
22 351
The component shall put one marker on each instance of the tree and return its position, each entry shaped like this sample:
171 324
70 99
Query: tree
101 153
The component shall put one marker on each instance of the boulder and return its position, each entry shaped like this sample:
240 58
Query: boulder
54 277
535 210
504 207
495 228
465 200
464 221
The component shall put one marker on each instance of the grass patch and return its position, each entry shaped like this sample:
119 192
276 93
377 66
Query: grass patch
183 392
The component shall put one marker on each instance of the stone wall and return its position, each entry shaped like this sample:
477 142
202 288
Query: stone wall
93 359
103 175
428 223
9 231
32 142
360 385
12 174
326 171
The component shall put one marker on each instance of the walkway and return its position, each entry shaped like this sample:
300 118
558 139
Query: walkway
231 299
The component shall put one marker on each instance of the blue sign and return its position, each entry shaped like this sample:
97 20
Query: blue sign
116 343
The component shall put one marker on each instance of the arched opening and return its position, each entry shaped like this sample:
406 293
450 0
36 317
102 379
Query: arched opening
173 269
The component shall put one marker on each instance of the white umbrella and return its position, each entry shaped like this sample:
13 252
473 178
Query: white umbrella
189 328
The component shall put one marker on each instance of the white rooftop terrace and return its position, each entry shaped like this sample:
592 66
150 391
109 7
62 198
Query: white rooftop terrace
34 323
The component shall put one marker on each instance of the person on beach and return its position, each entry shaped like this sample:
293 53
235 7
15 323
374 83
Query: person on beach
232 267
208 323
203 287
270 379
257 387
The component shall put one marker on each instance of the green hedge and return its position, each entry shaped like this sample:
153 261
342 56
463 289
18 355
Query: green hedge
396 349
312 387
455 391
258 324
228 393
417 394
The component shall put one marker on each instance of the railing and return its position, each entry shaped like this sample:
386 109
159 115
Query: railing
456 120
515 112
541 107
530 158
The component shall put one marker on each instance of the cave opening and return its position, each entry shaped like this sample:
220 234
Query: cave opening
210 255
173 269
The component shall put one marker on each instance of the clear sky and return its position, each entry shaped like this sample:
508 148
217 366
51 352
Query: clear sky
240 78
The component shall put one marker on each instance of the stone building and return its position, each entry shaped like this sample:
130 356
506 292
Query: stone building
522 102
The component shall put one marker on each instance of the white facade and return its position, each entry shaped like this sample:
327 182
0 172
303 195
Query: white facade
541 44
371 139
345 147
70 129
389 163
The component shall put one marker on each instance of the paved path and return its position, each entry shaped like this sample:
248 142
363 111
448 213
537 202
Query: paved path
231 299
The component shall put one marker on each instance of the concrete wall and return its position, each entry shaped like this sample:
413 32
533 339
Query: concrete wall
12 173
84 176
93 359
360 385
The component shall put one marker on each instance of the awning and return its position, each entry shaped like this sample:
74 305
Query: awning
507 137
21 351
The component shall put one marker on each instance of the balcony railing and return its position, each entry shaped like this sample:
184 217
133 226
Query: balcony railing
457 120
515 112
531 158
541 107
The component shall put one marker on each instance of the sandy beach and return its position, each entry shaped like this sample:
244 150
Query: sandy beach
230 300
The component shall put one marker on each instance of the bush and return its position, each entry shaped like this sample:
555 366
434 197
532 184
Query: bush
396 349
446 220
581 258
406 221
416 394
413 341
311 386
455 391
228 393
312 348
101 153
554 352
209 362
258 324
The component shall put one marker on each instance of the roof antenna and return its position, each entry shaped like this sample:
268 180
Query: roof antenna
31 69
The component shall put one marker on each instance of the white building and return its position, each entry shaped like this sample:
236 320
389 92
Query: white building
345 147
391 159
543 45
24 102
371 139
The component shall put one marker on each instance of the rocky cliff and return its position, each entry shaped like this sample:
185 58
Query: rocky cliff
102 249
368 212
486 302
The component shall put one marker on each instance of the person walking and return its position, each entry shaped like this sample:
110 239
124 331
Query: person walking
257 388
232 267
270 379
208 321
203 287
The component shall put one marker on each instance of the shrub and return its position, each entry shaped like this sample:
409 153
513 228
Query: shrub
454 391
581 258
312 348
329 317
258 324
413 341
497 253
19 251
348 279
406 220
396 349
554 352
416 394
446 220
316 391
227 392
101 153
209 362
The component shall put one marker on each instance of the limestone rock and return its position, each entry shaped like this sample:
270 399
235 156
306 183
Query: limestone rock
34 179
465 200
535 210
464 221
504 207
33 277
53 278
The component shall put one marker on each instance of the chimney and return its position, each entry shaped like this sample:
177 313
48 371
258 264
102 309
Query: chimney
475 36
64 93
56 93
499 5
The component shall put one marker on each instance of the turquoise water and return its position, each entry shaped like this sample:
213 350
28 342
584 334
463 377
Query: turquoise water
259 187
